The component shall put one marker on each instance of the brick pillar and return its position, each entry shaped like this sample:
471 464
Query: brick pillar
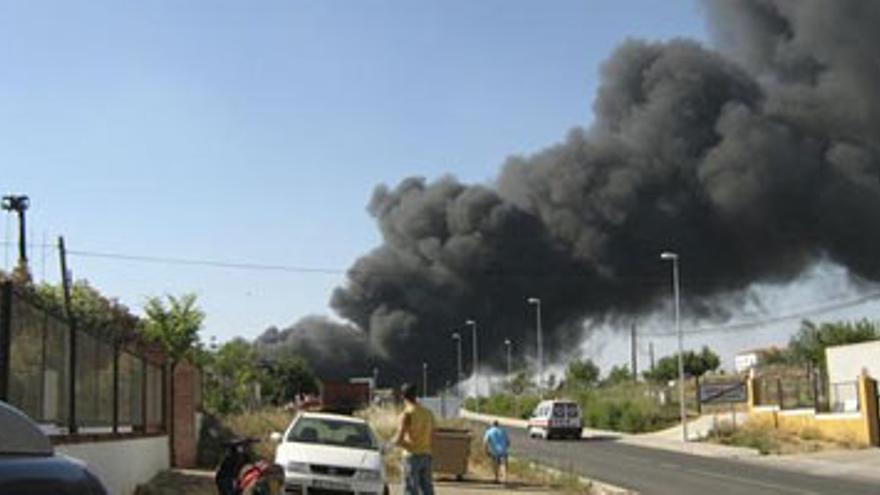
183 418
868 403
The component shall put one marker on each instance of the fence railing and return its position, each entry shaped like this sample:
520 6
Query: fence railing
844 396
117 384
787 392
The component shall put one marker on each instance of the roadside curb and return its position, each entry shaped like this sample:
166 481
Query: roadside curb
598 487
649 441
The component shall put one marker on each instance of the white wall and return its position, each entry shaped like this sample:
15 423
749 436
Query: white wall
845 362
122 464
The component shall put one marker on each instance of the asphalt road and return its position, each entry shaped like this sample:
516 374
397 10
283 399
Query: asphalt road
660 472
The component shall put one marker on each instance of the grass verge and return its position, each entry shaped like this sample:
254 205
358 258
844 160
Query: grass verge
773 441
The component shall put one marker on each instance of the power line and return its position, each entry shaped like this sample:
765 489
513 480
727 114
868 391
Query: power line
209 263
827 308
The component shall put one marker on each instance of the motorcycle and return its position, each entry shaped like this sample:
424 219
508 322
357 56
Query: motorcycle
241 473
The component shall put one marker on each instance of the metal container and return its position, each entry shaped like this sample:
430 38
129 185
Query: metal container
451 448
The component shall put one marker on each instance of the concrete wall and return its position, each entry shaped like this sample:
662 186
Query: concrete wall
845 362
860 428
121 464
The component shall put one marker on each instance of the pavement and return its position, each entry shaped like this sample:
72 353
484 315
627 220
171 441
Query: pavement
478 487
661 463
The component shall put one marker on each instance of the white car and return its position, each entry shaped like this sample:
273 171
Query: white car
330 454
556 419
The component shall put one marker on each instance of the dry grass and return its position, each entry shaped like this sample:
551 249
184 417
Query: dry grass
384 422
257 424
260 424
178 483
769 440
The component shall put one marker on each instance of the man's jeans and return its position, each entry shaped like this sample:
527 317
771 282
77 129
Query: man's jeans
417 475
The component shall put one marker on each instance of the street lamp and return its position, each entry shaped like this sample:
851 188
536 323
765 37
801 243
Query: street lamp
457 338
670 256
18 203
508 343
375 385
473 324
424 379
537 303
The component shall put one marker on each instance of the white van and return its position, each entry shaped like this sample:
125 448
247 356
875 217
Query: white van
556 419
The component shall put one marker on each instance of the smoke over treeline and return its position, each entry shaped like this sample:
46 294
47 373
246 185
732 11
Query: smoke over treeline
751 161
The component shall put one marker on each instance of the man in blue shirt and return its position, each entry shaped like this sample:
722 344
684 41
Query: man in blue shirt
496 443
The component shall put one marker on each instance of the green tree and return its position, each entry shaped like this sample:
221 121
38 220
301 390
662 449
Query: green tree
287 377
90 308
777 356
618 374
809 344
695 365
521 383
231 376
582 373
175 325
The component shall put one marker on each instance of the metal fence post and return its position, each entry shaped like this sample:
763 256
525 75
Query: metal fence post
5 337
115 385
779 395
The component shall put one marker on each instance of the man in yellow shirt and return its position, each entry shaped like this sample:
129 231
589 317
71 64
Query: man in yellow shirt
414 436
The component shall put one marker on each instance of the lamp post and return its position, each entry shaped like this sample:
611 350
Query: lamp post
537 303
508 343
375 385
673 257
19 204
473 324
457 338
424 379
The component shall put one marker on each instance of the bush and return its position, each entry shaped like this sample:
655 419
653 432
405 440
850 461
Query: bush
512 406
626 407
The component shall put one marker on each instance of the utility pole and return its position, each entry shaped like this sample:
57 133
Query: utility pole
71 372
537 302
457 337
508 343
673 257
473 324
651 354
634 358
424 379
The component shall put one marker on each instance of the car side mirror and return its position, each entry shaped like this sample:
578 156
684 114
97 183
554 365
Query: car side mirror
275 437
384 448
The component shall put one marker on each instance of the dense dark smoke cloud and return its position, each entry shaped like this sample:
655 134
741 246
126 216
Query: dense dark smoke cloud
752 162
333 351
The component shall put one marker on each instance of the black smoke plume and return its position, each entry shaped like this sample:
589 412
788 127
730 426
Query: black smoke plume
752 162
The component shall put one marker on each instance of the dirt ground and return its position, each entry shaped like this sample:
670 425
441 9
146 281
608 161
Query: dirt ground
196 482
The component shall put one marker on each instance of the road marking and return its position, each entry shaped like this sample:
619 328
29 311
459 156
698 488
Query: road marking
763 484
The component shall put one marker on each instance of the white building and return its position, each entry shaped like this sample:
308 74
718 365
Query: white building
845 364
747 360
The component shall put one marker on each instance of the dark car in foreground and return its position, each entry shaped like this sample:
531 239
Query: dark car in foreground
28 463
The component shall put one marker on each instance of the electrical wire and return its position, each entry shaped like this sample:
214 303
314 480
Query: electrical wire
744 325
757 324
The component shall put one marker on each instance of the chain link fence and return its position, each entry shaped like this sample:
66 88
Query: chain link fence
118 383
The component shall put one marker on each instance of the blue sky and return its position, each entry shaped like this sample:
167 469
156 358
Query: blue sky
224 131
256 131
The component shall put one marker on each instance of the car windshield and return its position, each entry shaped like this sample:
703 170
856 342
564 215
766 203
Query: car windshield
333 432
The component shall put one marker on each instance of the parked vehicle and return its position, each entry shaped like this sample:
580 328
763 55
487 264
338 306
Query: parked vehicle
241 473
28 463
556 419
330 453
